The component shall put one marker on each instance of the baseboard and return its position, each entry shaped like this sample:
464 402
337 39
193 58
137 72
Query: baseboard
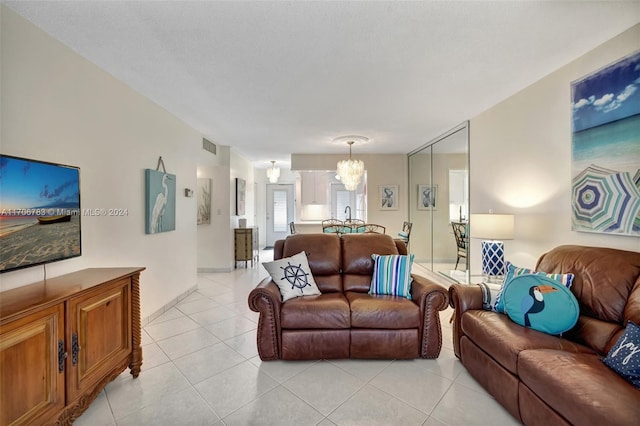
169 305
214 270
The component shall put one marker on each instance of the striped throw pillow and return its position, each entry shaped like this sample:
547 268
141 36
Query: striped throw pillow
392 275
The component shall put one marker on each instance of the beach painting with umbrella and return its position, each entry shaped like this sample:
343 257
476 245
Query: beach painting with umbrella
160 201
605 194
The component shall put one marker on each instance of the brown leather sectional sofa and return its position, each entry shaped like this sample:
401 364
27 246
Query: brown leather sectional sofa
546 380
345 321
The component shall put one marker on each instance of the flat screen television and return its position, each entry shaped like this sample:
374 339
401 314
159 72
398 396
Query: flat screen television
39 212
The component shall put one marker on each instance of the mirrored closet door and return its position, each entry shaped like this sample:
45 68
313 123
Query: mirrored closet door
439 202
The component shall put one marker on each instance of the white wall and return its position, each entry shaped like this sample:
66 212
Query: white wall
243 169
215 240
520 160
59 107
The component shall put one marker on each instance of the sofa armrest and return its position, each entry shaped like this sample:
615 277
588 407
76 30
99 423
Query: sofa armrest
431 297
266 300
462 298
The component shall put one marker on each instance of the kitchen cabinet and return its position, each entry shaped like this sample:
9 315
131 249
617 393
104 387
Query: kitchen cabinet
315 187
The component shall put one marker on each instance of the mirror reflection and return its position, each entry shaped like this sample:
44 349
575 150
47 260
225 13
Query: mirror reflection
439 202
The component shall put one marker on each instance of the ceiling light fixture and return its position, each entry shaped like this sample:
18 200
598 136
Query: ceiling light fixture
273 173
351 171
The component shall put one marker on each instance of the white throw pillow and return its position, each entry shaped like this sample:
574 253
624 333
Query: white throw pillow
293 276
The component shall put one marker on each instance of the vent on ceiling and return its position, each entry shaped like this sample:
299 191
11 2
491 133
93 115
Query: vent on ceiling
209 146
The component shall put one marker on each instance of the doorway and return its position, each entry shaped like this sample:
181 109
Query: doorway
280 211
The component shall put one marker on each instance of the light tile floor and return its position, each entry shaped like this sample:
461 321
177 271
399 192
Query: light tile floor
201 367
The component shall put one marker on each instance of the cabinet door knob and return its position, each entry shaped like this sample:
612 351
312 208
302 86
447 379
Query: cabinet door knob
62 355
75 348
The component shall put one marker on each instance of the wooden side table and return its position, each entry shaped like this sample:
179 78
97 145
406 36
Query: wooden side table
246 245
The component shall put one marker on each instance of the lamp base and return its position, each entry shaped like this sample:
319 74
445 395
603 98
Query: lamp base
493 265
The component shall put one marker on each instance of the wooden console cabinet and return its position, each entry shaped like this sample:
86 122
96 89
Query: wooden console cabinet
246 245
62 340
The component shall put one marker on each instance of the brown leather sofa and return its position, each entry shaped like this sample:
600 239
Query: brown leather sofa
547 380
345 321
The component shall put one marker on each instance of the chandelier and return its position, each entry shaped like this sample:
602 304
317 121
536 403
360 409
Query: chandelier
273 173
351 171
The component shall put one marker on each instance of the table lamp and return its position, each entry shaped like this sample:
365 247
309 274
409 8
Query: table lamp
492 229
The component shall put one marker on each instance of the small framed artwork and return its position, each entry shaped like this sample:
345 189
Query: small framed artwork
241 188
427 197
388 197
204 201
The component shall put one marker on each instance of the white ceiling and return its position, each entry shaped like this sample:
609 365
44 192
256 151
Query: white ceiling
271 78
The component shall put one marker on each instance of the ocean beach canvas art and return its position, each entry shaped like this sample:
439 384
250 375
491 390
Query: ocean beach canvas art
606 149
39 212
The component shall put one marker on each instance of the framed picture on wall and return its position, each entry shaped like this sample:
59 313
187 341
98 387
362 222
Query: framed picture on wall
605 150
388 197
241 188
427 197
204 201
160 202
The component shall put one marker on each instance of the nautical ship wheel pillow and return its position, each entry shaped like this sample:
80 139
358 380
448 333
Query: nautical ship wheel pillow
541 303
293 276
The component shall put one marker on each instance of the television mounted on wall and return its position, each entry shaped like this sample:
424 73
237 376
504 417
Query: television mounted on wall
39 212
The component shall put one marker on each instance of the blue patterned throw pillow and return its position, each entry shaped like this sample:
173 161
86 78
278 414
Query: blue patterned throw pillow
392 275
541 303
624 356
514 271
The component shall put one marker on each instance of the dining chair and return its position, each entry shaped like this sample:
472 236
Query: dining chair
356 225
372 227
406 232
460 234
333 226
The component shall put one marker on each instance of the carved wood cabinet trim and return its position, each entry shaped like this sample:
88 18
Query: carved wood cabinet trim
62 341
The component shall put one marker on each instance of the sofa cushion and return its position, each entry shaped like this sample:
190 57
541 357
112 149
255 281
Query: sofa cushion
323 254
392 275
503 339
293 276
580 387
514 271
378 311
329 310
607 286
624 357
357 264
540 303
605 279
